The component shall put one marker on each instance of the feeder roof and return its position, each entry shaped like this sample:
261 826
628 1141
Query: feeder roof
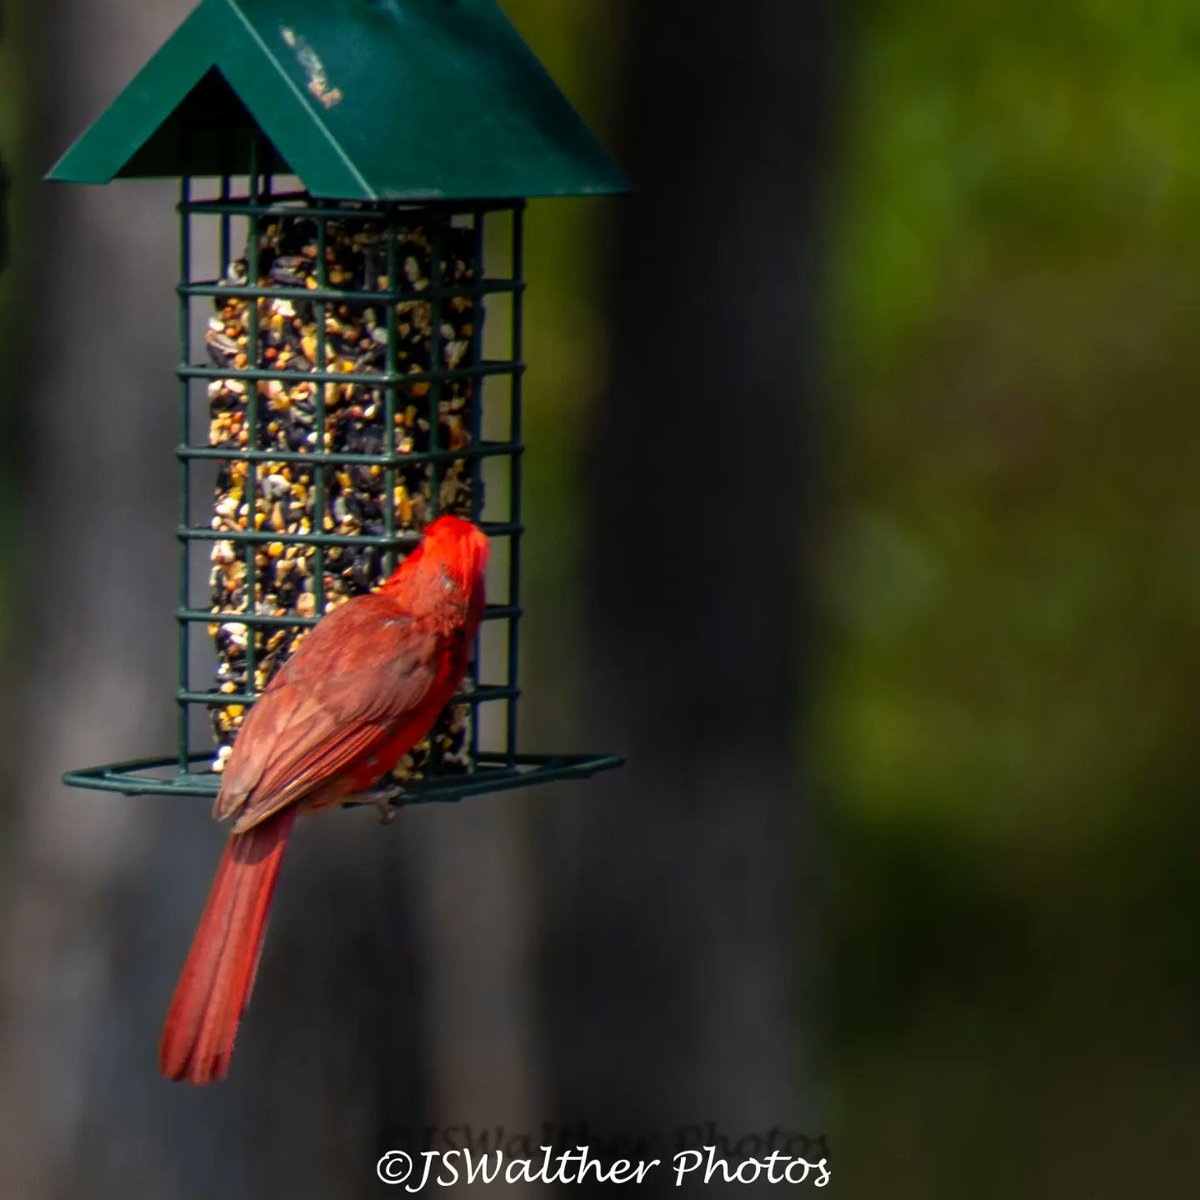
362 99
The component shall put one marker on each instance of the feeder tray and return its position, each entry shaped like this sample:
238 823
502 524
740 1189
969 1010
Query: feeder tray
494 773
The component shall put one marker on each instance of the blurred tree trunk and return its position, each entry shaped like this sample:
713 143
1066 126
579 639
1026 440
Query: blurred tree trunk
682 934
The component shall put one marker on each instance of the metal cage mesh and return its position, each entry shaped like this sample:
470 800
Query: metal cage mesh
347 400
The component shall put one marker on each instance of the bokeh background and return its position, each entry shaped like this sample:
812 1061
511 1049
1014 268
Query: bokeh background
863 509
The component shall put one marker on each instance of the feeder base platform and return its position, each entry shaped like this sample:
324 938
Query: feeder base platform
494 773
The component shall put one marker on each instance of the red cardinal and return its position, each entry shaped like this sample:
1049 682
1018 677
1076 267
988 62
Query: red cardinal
364 687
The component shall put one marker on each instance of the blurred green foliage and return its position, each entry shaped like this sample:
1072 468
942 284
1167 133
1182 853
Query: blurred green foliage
1006 718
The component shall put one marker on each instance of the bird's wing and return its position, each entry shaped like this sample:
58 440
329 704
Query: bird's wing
336 701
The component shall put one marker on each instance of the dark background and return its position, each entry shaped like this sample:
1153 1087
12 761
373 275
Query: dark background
863 516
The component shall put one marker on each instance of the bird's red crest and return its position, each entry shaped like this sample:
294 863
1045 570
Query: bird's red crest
453 544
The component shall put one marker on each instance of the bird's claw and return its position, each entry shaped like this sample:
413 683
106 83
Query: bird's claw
382 799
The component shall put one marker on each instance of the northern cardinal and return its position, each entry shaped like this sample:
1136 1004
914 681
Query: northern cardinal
364 686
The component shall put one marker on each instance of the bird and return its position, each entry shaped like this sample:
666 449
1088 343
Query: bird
365 684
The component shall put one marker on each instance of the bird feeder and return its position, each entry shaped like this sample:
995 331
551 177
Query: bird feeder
350 171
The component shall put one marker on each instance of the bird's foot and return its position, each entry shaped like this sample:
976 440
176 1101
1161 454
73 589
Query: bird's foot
381 798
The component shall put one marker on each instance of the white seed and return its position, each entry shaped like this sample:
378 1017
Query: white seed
274 487
236 632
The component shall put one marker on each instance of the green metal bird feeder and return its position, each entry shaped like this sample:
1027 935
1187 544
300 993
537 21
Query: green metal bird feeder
352 168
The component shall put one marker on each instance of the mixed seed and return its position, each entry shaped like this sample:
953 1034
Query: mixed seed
294 499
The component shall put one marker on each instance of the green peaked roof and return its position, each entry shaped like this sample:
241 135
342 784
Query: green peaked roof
362 99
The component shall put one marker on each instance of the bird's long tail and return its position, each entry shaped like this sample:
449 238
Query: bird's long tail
202 1022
